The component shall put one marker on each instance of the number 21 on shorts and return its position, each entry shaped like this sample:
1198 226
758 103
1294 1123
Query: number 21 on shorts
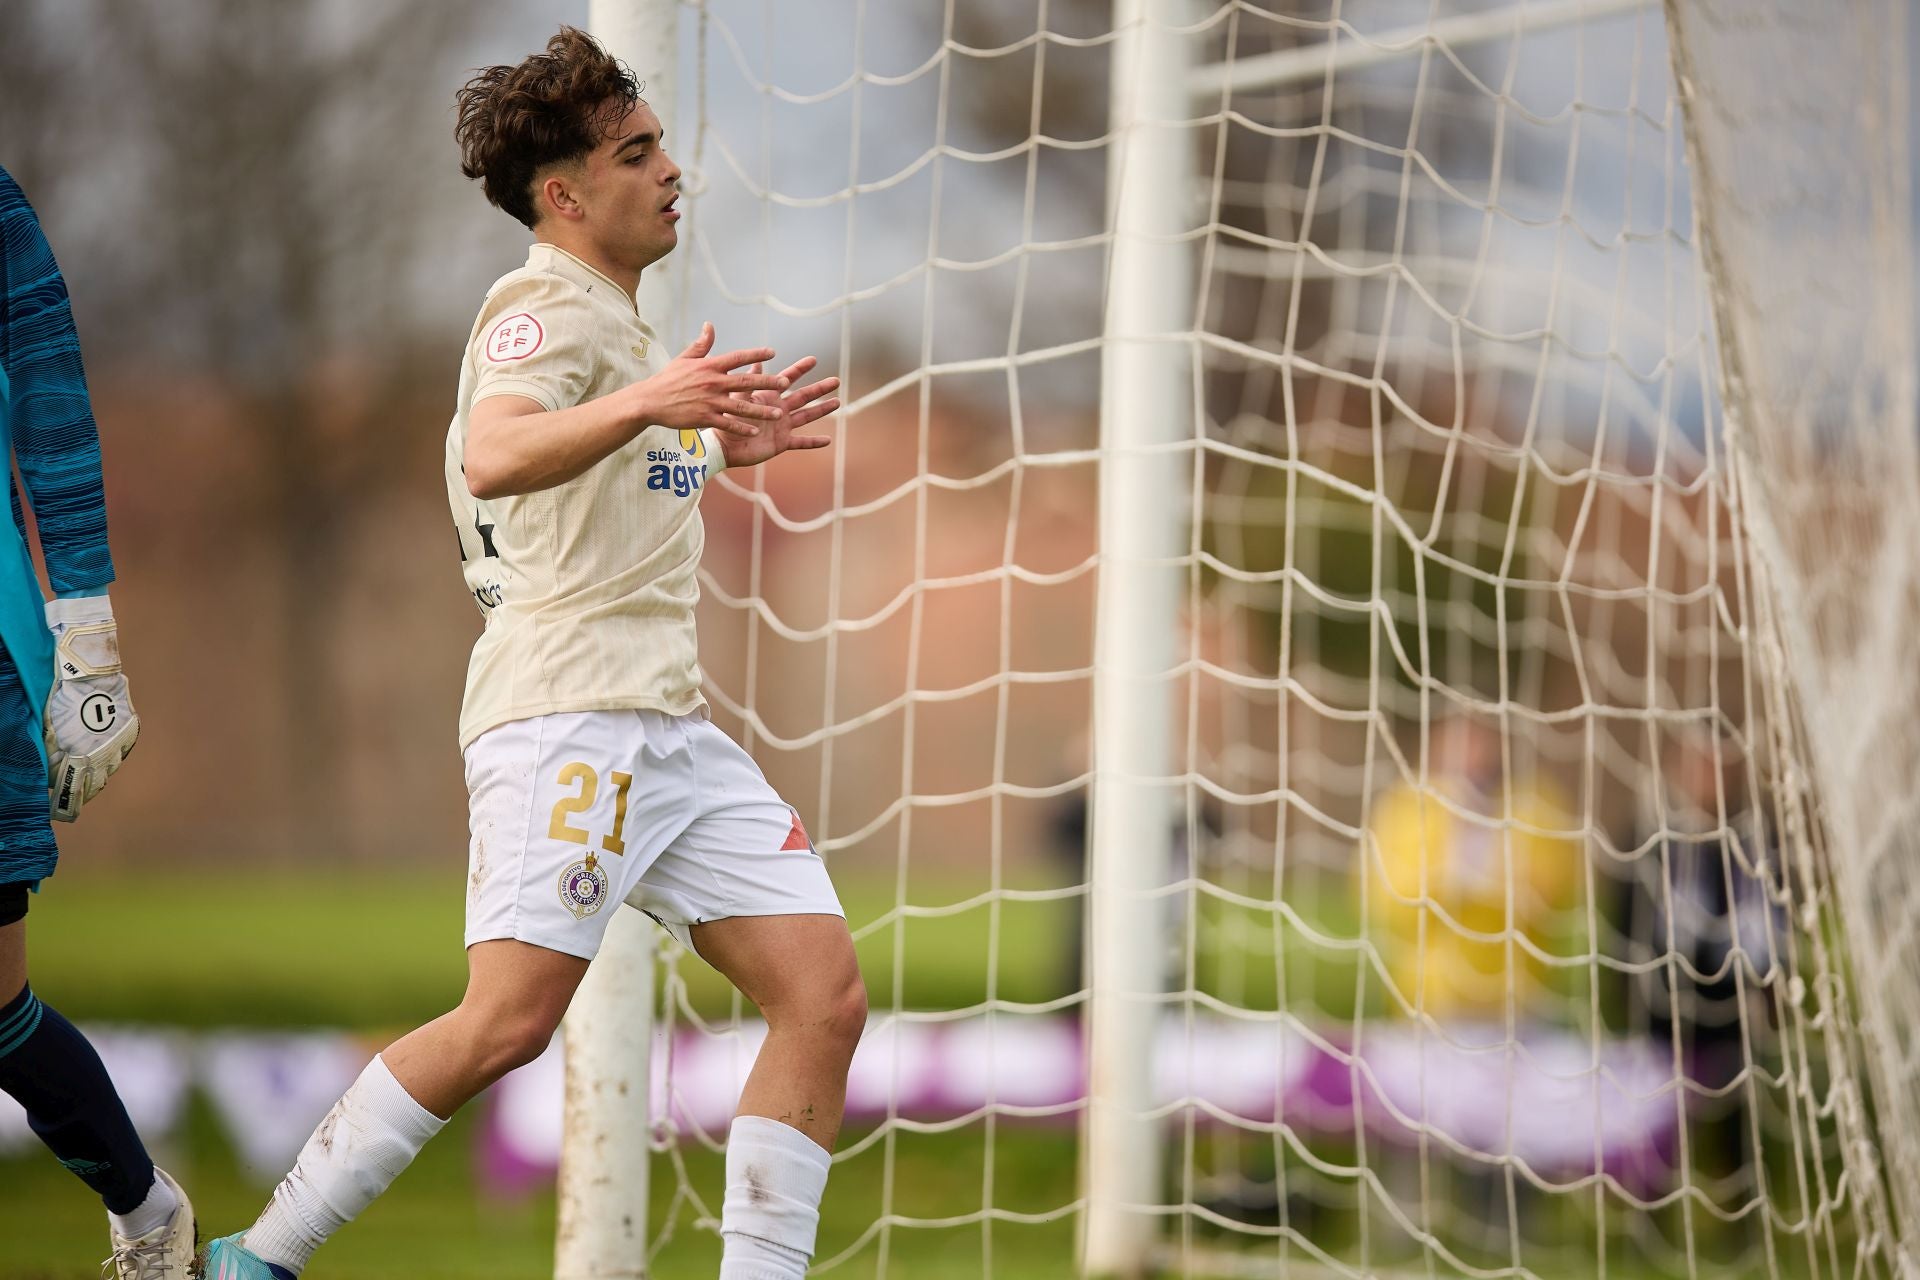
580 784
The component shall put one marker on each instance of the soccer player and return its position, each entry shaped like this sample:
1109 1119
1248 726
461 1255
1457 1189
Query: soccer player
65 722
574 467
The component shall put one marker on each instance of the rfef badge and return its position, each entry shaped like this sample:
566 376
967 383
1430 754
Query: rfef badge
514 337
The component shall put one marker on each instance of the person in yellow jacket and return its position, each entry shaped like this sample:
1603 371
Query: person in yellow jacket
1460 868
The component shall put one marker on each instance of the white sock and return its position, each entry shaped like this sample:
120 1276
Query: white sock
150 1214
372 1133
771 1214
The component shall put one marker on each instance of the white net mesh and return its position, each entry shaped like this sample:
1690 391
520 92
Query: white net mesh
1809 232
1510 915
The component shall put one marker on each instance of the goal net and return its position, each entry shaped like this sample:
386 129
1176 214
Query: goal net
1352 659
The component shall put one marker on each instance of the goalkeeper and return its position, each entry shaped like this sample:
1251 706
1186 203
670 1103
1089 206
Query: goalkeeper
574 468
64 720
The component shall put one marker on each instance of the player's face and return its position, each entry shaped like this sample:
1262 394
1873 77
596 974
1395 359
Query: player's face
632 190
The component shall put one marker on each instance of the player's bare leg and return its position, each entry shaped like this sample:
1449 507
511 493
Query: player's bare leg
516 995
801 972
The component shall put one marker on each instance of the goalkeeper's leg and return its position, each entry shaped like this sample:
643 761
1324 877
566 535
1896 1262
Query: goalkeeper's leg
800 970
51 1070
516 994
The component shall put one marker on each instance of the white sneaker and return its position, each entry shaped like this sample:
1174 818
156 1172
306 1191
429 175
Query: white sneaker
164 1254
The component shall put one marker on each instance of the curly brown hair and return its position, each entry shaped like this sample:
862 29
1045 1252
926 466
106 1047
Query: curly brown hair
551 108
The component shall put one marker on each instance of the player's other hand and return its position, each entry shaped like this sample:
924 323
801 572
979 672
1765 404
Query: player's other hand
798 408
91 725
700 389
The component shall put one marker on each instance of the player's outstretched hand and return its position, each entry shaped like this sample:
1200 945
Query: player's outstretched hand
797 409
699 389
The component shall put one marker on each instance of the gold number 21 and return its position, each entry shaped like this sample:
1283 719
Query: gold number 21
588 781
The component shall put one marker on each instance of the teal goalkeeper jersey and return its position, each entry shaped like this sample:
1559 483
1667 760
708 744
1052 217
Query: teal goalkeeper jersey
47 427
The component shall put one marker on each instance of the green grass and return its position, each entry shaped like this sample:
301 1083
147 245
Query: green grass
381 950
249 948
435 1223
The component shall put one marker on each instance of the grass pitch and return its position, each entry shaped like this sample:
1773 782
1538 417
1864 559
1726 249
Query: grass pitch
380 952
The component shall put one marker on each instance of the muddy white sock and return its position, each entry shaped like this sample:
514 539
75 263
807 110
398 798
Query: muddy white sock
372 1133
771 1214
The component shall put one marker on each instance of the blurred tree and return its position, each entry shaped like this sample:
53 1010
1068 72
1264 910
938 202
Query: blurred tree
998 94
253 178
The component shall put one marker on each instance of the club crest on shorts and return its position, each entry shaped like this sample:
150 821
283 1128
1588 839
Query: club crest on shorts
583 887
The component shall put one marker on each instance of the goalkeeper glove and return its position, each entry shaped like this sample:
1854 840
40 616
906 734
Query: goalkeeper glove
91 725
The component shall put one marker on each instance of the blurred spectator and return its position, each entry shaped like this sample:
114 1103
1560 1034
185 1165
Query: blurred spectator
1445 859
1699 903
1068 828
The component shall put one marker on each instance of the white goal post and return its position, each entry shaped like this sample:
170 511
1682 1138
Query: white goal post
1147 401
1351 659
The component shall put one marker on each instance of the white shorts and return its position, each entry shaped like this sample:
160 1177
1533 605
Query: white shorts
574 811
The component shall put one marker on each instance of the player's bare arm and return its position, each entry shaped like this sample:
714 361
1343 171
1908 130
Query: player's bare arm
516 445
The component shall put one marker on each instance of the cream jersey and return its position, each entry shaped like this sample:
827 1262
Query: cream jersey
587 588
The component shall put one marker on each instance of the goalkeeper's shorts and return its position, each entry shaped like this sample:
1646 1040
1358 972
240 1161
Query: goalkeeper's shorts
573 814
27 850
